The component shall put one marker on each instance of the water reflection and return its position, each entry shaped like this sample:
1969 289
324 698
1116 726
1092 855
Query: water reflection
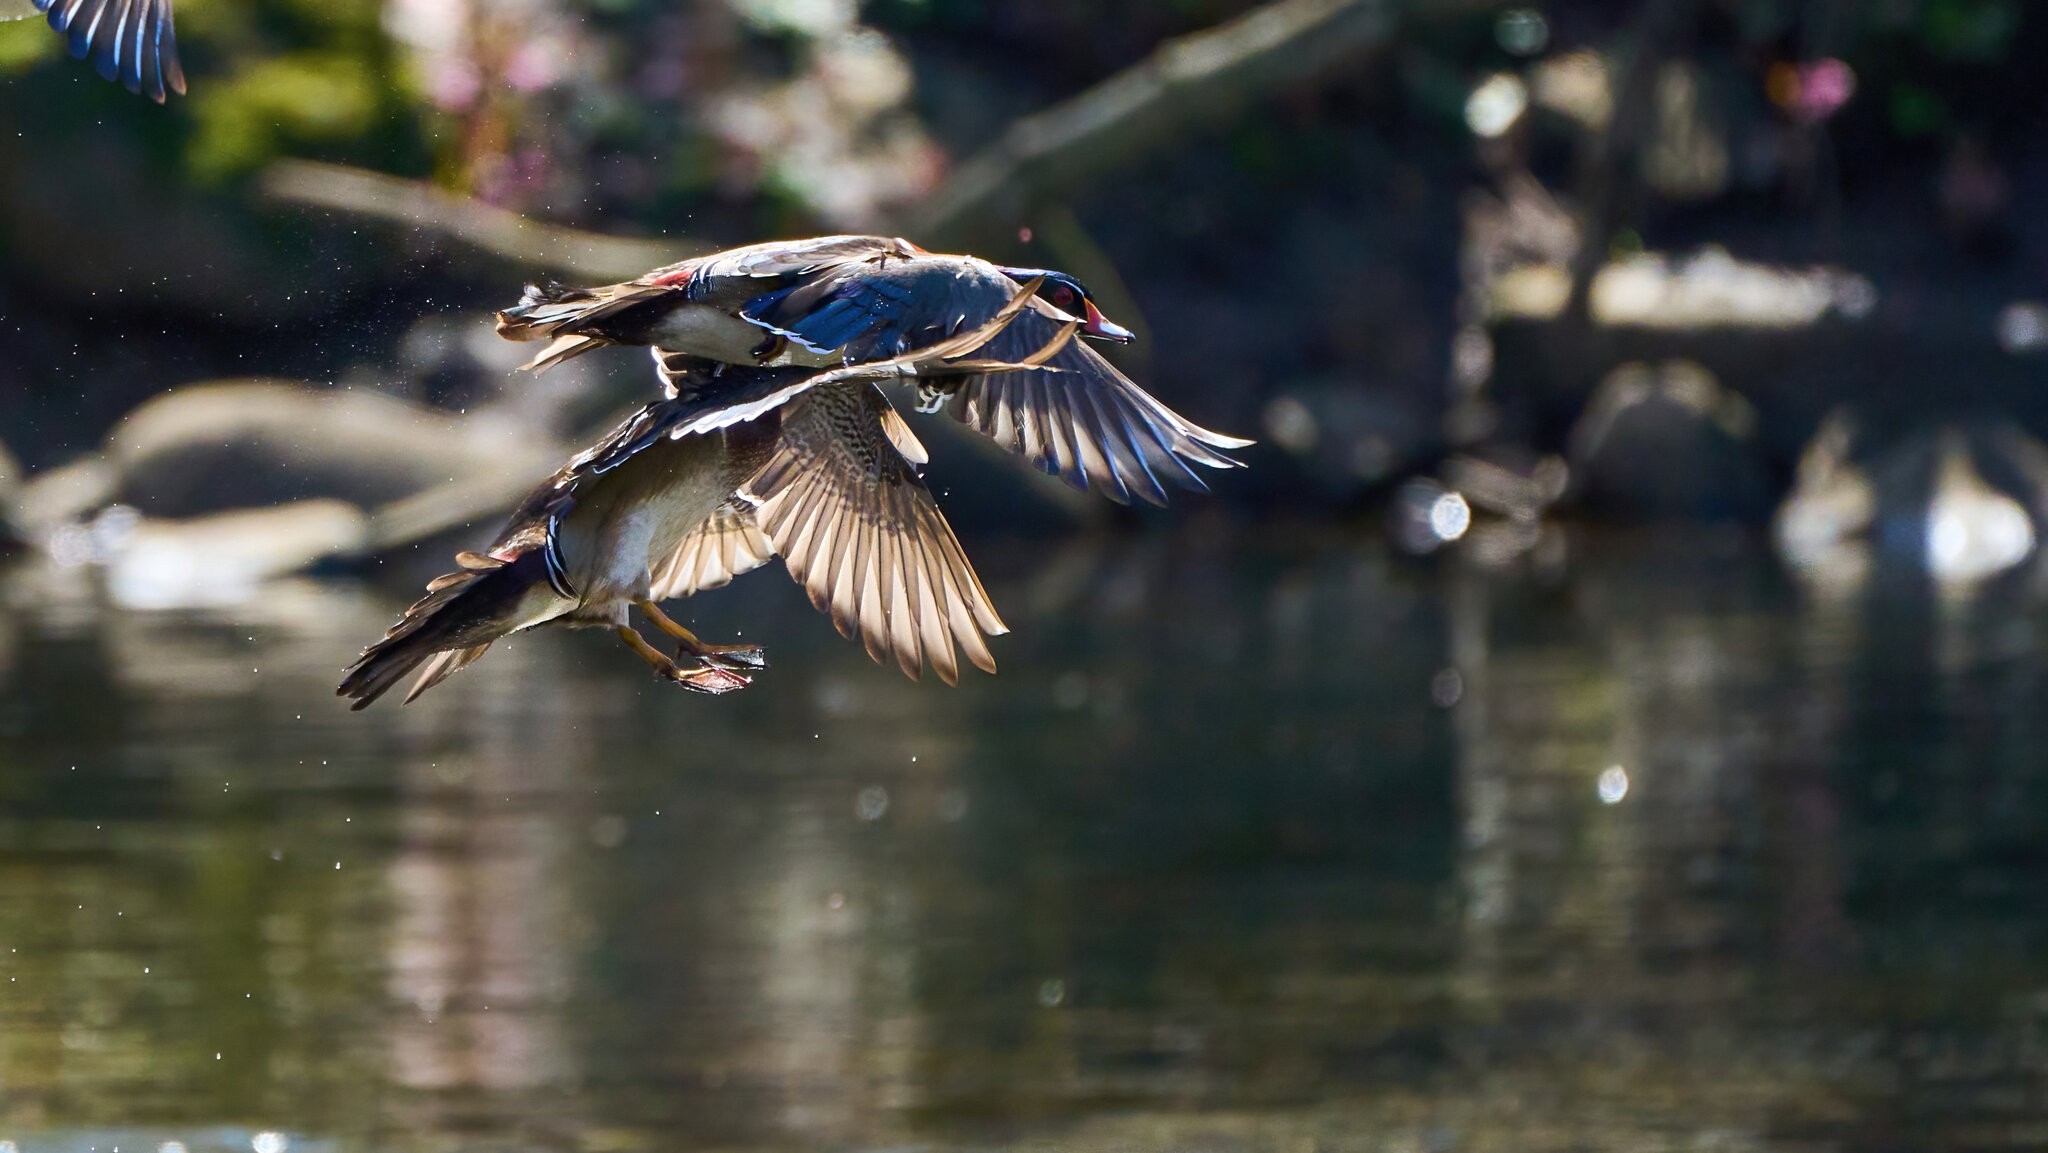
1253 844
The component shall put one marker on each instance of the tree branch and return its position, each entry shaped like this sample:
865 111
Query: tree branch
1187 81
572 252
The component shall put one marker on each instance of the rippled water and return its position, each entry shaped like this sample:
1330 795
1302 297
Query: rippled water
1273 845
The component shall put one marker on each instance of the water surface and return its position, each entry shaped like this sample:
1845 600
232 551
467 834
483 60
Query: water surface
1253 844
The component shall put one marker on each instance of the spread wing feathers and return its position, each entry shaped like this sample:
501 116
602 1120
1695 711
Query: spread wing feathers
440 667
1076 417
742 269
130 41
723 547
733 395
862 534
462 613
568 346
1081 420
906 441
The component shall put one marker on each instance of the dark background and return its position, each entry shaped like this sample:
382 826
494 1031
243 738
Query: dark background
1301 241
1605 715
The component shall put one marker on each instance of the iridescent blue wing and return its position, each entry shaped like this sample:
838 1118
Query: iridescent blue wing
129 41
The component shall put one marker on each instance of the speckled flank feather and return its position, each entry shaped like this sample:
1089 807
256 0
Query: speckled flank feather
129 41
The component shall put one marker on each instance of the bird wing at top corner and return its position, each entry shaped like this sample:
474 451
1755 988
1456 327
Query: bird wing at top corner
131 42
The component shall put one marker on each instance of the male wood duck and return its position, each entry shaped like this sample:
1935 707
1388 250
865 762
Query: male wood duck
130 41
735 464
841 300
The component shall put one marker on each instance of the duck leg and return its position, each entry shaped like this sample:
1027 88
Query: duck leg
704 679
735 657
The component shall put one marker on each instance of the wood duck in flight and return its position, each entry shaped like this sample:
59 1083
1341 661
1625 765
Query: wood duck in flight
732 466
842 300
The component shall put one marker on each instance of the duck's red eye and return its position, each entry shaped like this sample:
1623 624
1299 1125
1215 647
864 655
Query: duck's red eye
1063 296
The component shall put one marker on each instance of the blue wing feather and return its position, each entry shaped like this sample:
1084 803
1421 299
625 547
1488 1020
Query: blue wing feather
131 42
856 316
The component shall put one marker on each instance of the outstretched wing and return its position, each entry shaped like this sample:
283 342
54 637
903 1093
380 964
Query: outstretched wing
739 274
1081 420
862 534
129 41
723 547
1076 417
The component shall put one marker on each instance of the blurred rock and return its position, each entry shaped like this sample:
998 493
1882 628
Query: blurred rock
1972 529
1960 503
214 447
58 496
1667 442
226 558
459 361
1821 526
1707 289
204 492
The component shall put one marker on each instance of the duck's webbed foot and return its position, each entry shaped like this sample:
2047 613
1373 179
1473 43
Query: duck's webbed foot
734 657
704 678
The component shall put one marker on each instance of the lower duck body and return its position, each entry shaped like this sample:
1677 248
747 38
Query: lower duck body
586 565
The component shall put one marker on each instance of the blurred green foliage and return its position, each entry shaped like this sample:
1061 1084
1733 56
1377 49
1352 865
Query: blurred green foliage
274 106
270 78
24 43
618 119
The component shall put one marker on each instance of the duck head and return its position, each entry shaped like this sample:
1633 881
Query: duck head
1068 295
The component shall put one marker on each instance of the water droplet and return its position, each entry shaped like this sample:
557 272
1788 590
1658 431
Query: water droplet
1446 688
1613 784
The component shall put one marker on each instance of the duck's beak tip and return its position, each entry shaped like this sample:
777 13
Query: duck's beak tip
1103 328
